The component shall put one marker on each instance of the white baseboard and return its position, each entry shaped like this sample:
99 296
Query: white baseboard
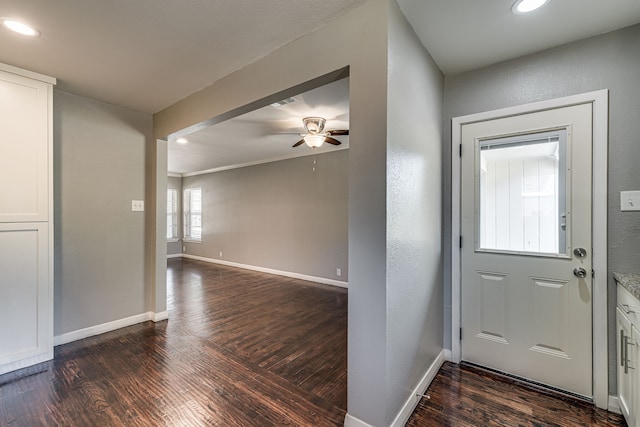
174 256
448 355
108 327
322 280
351 421
411 403
25 363
614 405
159 317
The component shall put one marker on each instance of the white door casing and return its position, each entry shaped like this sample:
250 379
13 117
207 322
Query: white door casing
599 101
526 204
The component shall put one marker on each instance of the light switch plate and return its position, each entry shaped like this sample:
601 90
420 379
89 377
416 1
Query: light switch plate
630 200
137 205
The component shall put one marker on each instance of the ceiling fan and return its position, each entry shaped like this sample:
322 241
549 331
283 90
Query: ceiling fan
316 135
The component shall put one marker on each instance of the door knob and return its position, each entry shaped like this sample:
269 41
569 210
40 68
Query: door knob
580 252
580 272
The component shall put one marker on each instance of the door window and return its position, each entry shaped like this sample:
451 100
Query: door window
521 194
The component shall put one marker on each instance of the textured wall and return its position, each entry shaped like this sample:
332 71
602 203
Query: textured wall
357 40
414 212
99 167
610 61
282 215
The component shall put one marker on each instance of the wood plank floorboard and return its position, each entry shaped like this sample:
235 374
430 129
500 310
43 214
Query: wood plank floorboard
240 349
248 349
465 396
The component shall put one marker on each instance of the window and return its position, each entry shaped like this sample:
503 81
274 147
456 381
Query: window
192 209
172 214
523 194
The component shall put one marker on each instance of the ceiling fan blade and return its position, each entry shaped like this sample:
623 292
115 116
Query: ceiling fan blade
338 132
298 143
330 140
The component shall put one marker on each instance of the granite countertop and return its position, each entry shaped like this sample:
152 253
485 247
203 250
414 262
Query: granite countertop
630 281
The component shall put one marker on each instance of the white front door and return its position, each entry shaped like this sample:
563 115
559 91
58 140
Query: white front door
527 246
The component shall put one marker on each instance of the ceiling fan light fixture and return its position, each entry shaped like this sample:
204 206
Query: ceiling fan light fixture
521 7
20 27
314 141
314 124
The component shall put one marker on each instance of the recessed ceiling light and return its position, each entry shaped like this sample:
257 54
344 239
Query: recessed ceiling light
525 6
181 140
20 27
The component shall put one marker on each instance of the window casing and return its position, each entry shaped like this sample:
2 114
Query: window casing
192 213
172 214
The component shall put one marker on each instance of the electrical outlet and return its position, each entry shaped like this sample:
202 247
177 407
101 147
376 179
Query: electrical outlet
184 248
220 254
137 205
338 272
630 200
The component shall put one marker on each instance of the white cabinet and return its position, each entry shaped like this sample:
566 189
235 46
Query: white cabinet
628 342
26 218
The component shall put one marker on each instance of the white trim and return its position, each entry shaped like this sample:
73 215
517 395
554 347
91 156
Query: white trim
614 405
27 362
300 153
108 327
599 100
174 175
26 73
316 279
413 400
159 317
351 421
447 355
174 256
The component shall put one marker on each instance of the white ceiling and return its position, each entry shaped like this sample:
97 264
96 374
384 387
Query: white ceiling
463 35
148 54
263 135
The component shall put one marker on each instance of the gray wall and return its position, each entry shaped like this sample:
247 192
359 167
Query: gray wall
359 40
174 248
414 212
610 61
99 167
282 215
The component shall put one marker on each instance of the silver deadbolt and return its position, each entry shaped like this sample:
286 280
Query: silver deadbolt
580 272
580 252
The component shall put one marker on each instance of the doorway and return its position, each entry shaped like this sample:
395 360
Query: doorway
516 301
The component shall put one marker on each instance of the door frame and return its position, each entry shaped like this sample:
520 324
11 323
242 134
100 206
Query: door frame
600 102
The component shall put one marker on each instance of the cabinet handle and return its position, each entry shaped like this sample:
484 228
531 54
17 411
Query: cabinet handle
626 355
627 308
626 361
621 347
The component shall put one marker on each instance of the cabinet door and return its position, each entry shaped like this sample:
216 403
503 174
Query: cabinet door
625 383
24 148
25 309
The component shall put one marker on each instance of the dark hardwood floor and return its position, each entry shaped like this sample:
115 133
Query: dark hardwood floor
465 396
248 349
240 349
